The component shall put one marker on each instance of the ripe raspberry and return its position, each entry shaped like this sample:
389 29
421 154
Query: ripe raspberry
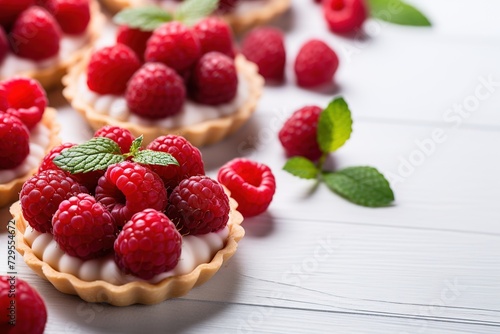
135 39
155 91
24 98
14 141
83 227
127 188
252 185
315 64
214 79
11 10
265 47
214 34
188 157
299 133
20 302
110 68
4 45
344 16
121 136
41 195
35 34
148 245
174 45
226 6
73 16
198 205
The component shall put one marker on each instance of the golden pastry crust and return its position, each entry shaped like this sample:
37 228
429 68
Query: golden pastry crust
9 192
50 77
203 133
138 292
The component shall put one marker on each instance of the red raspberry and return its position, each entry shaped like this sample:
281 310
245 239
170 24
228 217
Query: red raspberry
174 45
265 47
35 34
188 157
19 301
148 245
155 91
226 6
214 34
135 39
11 10
121 136
41 195
198 205
127 188
24 98
214 79
299 133
110 68
315 64
345 16
72 15
83 227
251 184
4 45
14 141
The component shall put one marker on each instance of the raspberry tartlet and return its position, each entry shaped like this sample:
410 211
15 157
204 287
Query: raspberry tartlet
41 40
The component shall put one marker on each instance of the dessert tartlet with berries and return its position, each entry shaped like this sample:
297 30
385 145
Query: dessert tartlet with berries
28 130
112 222
42 39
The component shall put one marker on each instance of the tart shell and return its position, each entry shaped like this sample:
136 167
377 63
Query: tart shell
138 292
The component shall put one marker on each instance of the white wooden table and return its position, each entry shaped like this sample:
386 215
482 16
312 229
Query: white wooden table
314 263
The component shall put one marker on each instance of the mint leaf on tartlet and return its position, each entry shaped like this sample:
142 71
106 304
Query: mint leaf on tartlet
150 157
191 11
398 12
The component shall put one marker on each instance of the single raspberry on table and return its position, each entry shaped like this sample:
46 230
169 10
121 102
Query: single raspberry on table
148 245
121 136
198 205
72 15
4 44
214 79
22 304
155 91
345 16
214 34
265 47
11 10
188 157
299 133
82 216
14 141
41 195
251 184
35 34
110 68
134 38
316 63
127 188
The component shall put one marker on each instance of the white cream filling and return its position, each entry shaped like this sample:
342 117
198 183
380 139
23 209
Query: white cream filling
39 142
196 250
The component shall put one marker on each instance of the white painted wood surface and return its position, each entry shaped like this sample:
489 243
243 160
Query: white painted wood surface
315 263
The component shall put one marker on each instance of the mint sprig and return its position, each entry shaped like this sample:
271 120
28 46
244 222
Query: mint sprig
398 12
361 185
100 152
190 11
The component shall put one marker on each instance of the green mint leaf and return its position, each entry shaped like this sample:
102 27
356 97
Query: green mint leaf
361 185
149 157
146 18
301 167
136 145
191 11
334 126
398 12
96 154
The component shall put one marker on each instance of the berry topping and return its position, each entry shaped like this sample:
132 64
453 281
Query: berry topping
174 45
82 216
214 79
110 68
121 136
41 195
127 188
188 157
155 91
24 303
148 245
344 16
135 39
72 15
35 34
14 141
198 205
299 133
251 184
11 10
214 34
315 64
4 44
226 6
265 47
